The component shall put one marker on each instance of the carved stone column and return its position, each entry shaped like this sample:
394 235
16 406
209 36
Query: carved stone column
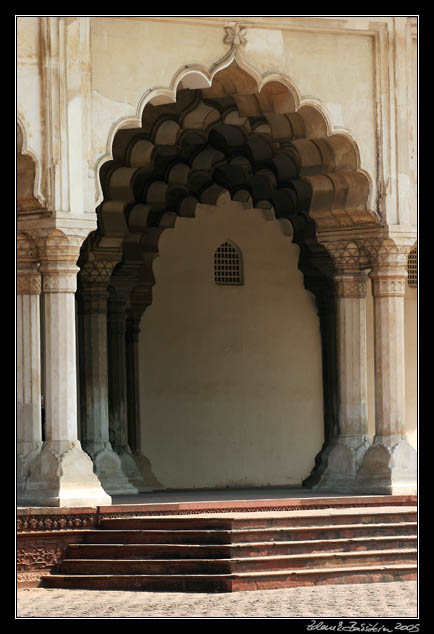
352 442
390 465
92 309
29 430
119 291
62 473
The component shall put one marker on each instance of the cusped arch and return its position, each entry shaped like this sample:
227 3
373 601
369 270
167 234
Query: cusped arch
272 97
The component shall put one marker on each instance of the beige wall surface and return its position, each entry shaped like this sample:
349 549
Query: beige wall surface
231 380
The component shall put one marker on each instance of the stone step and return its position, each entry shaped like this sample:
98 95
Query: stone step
325 531
321 517
226 536
227 566
243 551
234 582
247 549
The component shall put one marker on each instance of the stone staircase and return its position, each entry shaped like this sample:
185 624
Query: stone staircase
243 551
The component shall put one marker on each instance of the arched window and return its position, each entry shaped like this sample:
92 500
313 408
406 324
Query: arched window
228 264
412 268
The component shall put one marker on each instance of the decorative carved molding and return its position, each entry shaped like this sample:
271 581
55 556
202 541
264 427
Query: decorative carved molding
27 250
38 555
63 281
346 254
351 287
392 286
28 282
55 522
387 252
235 35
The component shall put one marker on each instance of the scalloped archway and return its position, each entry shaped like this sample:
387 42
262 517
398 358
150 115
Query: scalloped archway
231 135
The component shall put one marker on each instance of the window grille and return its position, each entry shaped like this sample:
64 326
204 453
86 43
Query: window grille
412 268
228 265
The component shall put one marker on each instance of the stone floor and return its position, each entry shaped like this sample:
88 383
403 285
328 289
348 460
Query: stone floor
395 600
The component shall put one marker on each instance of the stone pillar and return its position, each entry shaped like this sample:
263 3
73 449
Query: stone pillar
352 442
119 291
92 309
390 465
62 473
140 299
29 424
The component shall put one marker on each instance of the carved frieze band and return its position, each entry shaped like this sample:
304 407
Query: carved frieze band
55 522
28 282
59 281
351 287
388 286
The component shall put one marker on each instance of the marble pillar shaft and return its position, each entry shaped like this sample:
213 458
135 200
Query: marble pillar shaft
29 432
59 285
389 351
133 391
353 384
117 373
93 361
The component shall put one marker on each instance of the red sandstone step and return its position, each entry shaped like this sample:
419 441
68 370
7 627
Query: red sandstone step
304 577
334 518
221 536
153 536
234 582
147 551
322 532
162 523
247 564
150 583
369 515
246 549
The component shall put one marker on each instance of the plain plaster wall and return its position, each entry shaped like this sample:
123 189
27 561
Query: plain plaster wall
231 379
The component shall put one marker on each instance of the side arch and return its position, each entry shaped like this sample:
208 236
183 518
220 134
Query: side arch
29 173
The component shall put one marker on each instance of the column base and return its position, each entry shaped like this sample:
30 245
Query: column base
109 469
344 461
132 471
150 481
24 460
62 475
389 467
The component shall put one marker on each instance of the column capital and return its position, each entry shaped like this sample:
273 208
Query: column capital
387 252
59 246
351 284
346 253
28 282
389 282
